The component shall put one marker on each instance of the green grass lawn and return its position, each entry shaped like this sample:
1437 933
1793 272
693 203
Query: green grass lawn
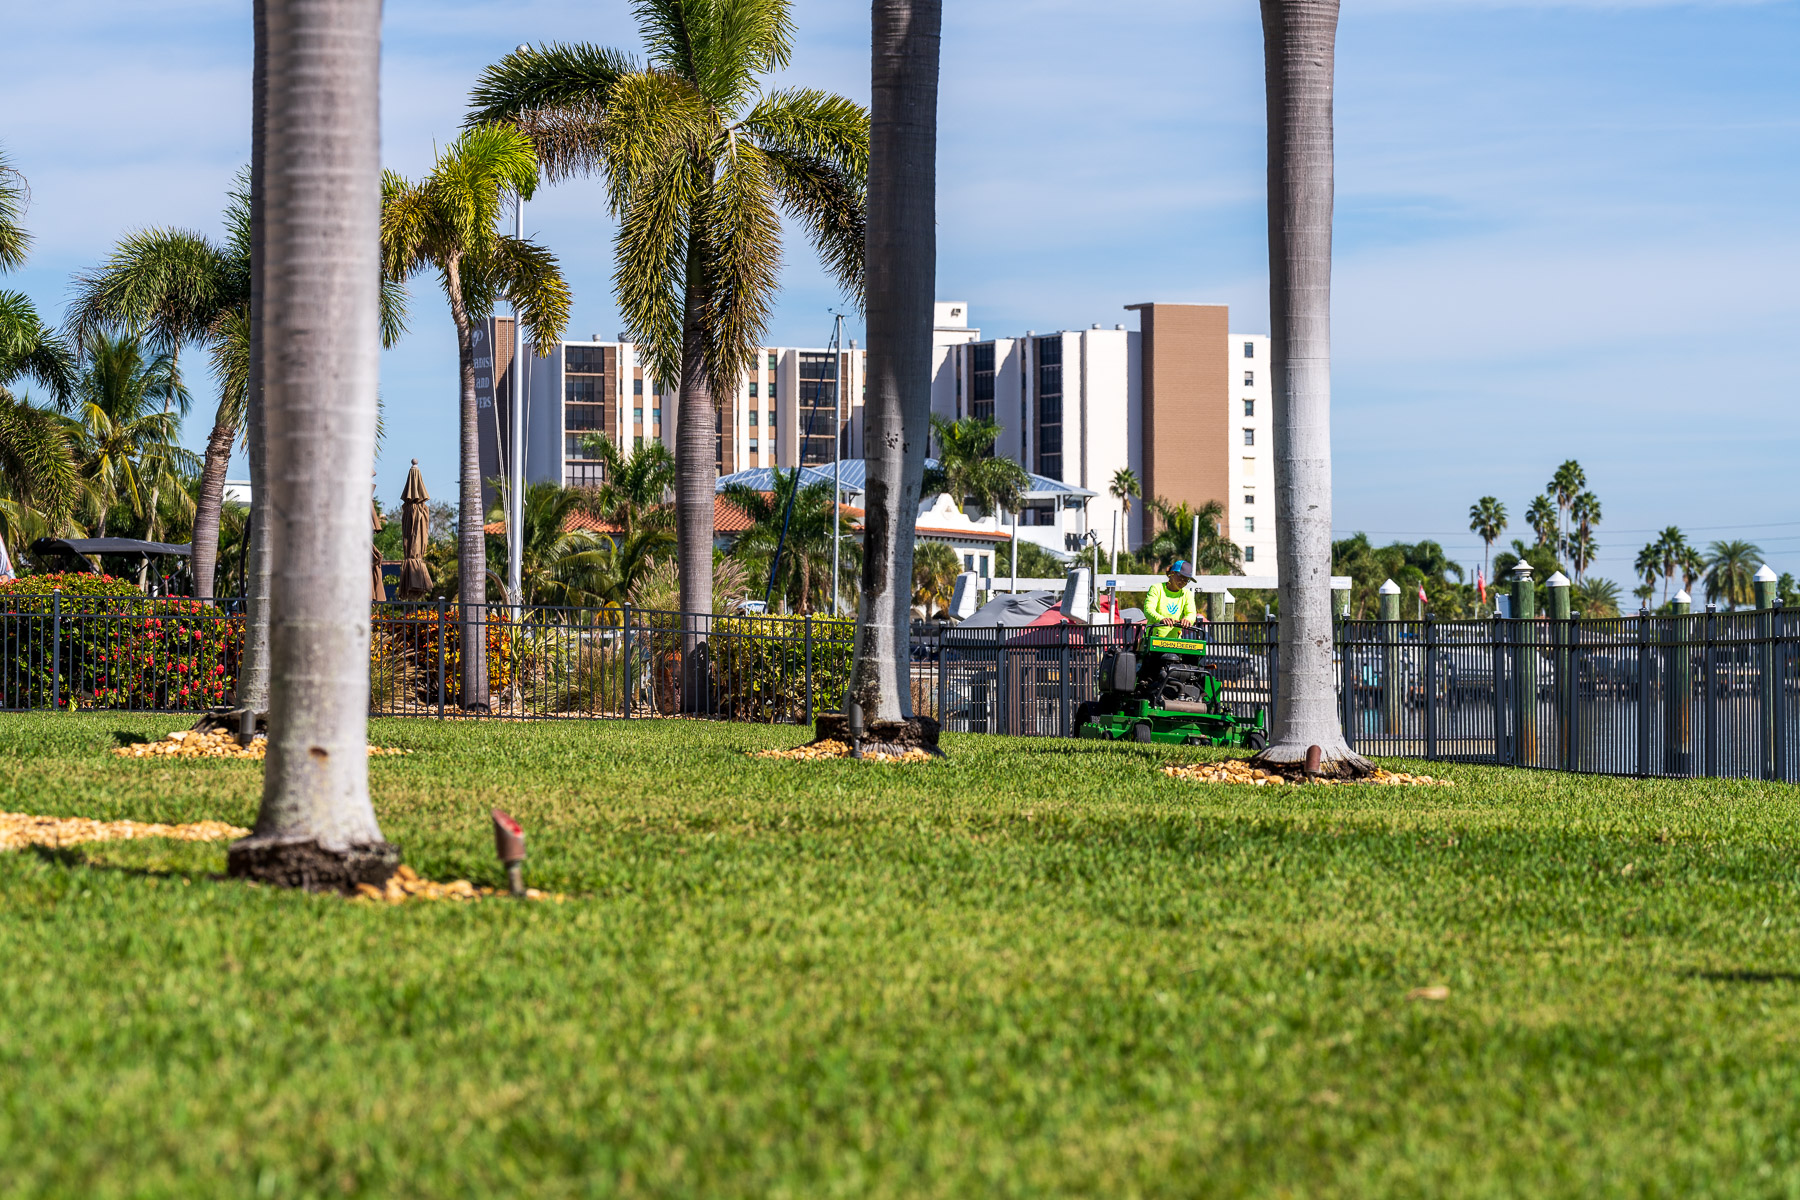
1039 968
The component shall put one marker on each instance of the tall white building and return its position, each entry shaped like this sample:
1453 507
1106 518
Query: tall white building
1181 402
780 414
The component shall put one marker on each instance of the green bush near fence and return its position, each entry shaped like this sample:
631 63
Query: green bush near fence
1038 968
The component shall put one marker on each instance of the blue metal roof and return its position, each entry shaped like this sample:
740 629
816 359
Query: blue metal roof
854 477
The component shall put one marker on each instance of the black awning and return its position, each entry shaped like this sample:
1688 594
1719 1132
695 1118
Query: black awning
92 546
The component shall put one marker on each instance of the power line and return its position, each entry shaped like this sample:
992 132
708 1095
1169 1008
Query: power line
1597 528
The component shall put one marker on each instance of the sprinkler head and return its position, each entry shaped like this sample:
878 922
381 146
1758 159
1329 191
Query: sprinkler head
509 843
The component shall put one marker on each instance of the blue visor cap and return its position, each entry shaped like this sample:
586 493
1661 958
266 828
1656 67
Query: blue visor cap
1181 566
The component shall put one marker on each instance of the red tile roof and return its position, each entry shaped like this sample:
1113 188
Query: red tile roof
727 518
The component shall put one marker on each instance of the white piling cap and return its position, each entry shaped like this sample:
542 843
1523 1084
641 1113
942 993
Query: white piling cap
1764 574
1557 580
1229 598
1390 588
1682 597
1522 570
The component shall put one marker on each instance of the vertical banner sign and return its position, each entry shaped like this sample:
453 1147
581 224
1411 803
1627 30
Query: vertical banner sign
492 340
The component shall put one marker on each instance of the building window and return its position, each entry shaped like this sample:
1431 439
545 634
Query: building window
1050 402
656 415
585 360
1249 437
637 414
1249 554
583 474
1249 349
1249 407
981 382
753 445
1249 524
771 362
1249 497
984 566
754 415
968 562
753 389
718 420
637 387
818 409
1249 378
584 416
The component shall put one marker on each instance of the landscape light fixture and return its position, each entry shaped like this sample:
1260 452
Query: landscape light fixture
856 729
509 841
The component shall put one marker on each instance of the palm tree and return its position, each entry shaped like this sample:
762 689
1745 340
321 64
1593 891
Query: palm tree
1579 545
1541 517
1487 521
171 287
1692 565
802 577
967 469
557 565
1213 554
1124 488
1597 598
1299 47
634 499
698 163
28 347
129 412
447 222
1564 486
321 301
1648 566
1672 551
935 568
1731 571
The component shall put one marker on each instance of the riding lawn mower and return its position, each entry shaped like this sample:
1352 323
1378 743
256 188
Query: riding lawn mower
1165 692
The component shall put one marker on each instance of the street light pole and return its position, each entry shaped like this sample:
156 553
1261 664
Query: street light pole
837 457
515 482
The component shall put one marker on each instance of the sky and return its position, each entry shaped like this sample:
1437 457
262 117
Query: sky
1564 228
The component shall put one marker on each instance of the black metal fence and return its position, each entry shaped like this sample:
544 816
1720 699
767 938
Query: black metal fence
1711 694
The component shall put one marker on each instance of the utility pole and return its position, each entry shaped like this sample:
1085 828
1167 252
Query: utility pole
515 473
837 455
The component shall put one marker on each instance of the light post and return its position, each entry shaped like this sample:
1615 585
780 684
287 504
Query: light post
515 475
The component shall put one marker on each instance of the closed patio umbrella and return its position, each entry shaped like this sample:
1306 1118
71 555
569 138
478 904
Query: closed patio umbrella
415 533
377 592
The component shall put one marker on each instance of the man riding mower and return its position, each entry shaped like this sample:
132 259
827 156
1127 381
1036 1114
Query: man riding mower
1162 690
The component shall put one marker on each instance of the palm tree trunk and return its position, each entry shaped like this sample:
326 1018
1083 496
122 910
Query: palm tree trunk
901 252
1299 39
205 554
696 476
471 542
316 828
252 693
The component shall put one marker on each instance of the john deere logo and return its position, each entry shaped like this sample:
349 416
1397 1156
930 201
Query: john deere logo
1175 644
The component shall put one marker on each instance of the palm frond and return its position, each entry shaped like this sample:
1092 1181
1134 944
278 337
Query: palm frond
30 349
527 275
164 285
650 273
812 124
742 247
833 208
558 95
15 197
744 39
37 461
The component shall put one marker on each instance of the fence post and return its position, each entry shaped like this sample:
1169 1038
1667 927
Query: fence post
1556 595
1391 695
807 622
1272 652
1503 707
943 691
627 677
1678 704
55 649
1765 667
1431 732
1524 598
1002 710
1347 686
1062 676
1777 623
441 607
1710 667
1643 693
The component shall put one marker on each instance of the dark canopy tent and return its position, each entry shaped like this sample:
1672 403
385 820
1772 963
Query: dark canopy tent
88 552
